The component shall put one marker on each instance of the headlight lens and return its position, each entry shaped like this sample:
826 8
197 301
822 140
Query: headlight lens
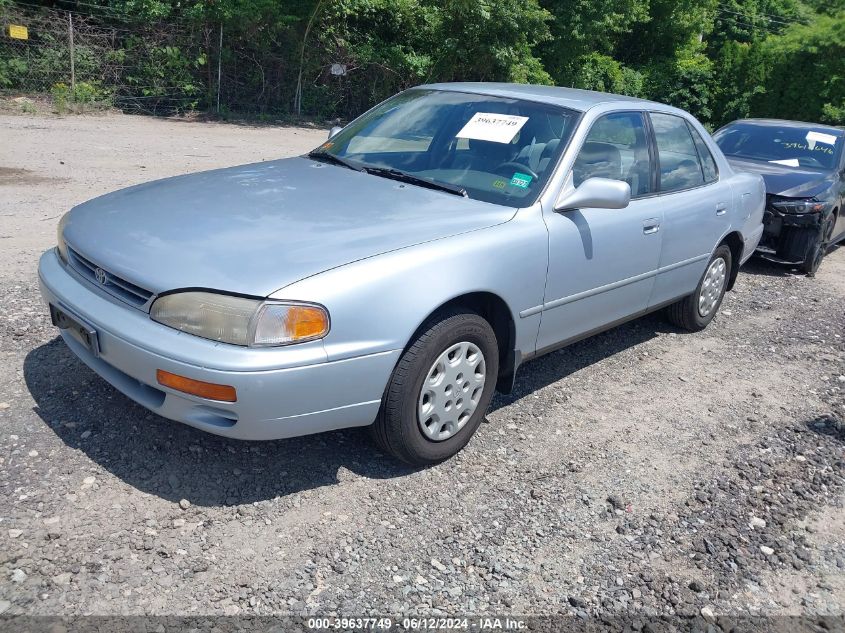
798 205
61 247
241 321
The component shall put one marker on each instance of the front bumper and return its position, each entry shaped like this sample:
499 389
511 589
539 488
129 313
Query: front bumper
781 241
282 392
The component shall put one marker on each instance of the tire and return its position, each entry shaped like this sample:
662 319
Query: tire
686 313
818 249
398 429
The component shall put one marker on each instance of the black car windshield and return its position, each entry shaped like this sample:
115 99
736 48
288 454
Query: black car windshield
788 145
493 149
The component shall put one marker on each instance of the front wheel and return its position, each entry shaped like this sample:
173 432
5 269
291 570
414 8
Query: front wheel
817 250
440 390
695 311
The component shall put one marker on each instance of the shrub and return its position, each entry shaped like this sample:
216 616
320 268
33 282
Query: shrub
61 94
83 95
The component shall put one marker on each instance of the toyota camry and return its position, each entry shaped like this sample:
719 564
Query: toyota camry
398 274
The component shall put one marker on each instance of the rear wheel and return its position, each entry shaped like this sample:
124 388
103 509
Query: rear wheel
440 390
817 250
695 311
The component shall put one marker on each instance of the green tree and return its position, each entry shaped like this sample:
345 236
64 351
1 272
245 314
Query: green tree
806 72
739 77
487 40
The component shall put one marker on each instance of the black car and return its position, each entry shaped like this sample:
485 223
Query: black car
803 165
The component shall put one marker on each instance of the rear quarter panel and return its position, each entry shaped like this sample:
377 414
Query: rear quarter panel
749 202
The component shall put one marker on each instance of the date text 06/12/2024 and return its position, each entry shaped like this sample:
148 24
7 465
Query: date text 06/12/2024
418 624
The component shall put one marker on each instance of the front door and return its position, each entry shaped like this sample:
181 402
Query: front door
602 262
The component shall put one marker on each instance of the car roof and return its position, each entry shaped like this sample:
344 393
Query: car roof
567 97
787 123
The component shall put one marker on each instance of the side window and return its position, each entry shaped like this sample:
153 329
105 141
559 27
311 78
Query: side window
679 165
616 147
711 174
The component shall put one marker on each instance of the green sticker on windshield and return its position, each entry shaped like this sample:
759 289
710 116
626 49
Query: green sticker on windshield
499 184
521 180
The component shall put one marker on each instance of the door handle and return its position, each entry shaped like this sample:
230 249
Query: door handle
721 208
651 226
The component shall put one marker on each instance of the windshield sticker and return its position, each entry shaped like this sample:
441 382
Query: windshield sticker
521 180
818 137
498 128
499 184
789 162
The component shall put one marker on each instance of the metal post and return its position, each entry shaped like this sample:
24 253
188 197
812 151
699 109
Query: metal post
219 65
70 41
297 97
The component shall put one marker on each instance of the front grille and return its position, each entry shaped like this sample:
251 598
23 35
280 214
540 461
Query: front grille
108 282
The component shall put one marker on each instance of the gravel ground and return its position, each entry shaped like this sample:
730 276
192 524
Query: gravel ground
642 472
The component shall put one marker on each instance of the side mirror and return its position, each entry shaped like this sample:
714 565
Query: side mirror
334 130
596 193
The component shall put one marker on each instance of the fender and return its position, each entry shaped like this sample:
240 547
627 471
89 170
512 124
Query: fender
378 303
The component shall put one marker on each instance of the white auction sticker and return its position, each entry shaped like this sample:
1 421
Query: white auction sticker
819 137
486 126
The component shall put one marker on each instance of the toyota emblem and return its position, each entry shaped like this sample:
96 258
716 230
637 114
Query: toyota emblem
100 276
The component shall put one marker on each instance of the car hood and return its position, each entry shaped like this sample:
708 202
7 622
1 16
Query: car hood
257 228
790 182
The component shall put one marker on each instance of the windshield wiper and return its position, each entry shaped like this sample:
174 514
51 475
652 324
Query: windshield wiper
337 160
388 172
403 176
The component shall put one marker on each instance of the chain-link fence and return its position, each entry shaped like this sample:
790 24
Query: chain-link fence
79 59
179 64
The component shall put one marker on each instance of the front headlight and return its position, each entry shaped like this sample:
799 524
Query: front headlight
241 321
798 205
61 246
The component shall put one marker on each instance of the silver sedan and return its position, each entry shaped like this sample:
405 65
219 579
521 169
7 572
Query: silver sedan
398 274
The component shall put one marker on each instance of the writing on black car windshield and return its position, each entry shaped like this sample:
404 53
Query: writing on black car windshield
496 149
787 146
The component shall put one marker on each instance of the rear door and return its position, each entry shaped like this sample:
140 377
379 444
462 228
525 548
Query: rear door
694 202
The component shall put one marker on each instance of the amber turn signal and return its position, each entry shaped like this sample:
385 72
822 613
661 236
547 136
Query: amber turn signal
306 322
285 323
224 393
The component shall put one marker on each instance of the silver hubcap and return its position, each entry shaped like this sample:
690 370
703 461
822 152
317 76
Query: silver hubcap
451 391
712 286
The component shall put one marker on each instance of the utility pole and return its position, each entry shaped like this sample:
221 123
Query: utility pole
219 65
70 41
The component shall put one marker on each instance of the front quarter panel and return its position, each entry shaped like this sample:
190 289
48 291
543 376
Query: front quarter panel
377 304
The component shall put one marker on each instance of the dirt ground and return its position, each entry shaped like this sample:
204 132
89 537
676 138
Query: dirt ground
644 471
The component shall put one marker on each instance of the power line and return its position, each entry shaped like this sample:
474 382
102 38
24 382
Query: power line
769 18
735 18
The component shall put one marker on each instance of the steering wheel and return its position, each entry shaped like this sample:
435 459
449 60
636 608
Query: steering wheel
512 164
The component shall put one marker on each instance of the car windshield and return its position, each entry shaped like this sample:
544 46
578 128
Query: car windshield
791 146
489 148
